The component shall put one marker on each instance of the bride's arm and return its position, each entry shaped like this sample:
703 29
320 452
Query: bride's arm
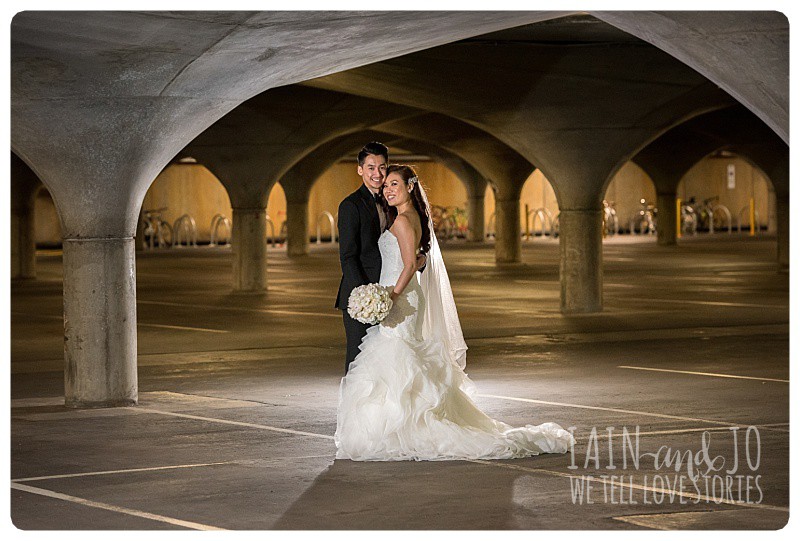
405 238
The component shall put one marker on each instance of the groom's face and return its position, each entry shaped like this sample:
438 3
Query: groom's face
373 172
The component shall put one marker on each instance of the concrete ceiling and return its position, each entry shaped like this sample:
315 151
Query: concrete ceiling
746 53
102 101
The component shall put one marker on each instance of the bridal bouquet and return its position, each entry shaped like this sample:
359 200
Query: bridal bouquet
370 303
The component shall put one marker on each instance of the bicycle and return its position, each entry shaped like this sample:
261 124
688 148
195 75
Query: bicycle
688 218
444 223
644 219
157 231
610 219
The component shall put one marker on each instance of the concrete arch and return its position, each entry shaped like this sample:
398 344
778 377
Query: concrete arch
527 189
745 156
130 90
299 180
732 39
551 104
631 184
25 186
197 70
501 165
669 157
188 188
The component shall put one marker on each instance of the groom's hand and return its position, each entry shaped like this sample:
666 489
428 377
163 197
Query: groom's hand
422 260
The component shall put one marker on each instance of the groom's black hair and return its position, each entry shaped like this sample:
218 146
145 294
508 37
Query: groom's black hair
376 149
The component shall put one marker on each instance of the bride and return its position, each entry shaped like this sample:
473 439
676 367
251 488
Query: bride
406 396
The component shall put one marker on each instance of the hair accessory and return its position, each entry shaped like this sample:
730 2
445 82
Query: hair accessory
413 180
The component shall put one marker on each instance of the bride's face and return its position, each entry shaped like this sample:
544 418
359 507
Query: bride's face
395 190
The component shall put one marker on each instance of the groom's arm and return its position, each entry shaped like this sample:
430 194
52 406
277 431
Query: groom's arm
349 247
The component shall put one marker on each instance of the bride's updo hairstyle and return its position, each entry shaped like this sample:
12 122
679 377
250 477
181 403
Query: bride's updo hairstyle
409 176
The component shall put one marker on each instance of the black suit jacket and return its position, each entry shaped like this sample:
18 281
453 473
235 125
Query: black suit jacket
359 230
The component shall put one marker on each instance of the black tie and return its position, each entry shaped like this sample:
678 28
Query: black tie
377 197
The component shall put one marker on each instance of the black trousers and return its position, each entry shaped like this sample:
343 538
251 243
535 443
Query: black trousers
355 331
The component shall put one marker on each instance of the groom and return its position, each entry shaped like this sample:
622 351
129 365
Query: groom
361 222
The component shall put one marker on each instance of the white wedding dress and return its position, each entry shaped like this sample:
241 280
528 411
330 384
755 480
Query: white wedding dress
405 399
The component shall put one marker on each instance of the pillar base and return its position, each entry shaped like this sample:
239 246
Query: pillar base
78 404
100 322
581 272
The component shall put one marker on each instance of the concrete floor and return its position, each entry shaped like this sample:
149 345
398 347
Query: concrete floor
238 398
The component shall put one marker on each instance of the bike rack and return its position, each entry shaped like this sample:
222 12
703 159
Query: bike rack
545 217
725 212
746 210
218 221
329 216
185 225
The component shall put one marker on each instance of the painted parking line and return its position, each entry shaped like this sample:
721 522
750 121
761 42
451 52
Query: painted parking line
177 327
181 328
114 508
236 423
655 301
113 472
15 484
240 309
709 374
618 410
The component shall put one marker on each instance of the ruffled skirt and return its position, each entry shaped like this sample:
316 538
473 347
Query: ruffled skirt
403 400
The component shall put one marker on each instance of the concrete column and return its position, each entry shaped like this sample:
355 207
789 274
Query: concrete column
581 241
23 240
772 212
475 218
297 228
508 244
667 228
782 207
249 243
100 322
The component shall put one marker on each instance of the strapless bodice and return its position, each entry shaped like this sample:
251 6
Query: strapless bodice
404 319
